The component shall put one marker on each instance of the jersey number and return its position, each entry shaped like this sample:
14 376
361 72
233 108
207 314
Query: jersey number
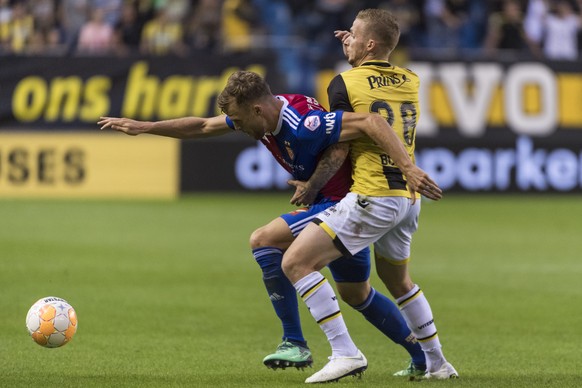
407 113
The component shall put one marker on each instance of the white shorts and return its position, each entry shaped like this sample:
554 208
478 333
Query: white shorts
358 221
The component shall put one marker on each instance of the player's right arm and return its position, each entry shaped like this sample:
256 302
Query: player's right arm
330 162
181 128
377 128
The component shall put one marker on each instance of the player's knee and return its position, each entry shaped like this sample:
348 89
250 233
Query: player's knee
353 299
259 238
287 265
399 288
354 295
292 267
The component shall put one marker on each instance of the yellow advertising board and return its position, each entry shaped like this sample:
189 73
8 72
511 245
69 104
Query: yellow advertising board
88 165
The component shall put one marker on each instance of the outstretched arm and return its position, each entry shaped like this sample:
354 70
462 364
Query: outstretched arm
376 127
331 160
182 128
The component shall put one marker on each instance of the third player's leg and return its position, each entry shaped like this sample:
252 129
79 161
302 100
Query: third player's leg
351 276
394 276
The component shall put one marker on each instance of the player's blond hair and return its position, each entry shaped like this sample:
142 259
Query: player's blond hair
244 88
381 25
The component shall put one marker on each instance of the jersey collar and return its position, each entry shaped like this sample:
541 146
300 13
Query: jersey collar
280 122
377 63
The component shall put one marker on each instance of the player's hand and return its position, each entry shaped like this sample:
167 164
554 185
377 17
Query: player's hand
128 126
342 35
419 182
304 194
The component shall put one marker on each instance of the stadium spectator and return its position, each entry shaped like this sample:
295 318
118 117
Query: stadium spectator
436 28
176 9
561 27
5 11
409 16
457 26
239 24
37 43
44 13
127 31
455 16
473 30
17 32
96 35
506 32
5 17
111 10
203 26
533 22
313 25
73 14
162 36
47 41
146 10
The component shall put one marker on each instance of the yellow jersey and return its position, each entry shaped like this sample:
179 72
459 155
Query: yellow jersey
391 91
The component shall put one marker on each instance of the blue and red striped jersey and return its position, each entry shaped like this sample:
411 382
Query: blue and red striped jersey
304 130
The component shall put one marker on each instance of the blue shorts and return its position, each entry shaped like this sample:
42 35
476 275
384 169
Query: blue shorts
351 270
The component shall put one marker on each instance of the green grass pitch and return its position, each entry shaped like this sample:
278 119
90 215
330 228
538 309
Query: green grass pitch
168 294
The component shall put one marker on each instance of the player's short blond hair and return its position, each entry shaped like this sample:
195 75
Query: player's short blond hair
244 88
382 26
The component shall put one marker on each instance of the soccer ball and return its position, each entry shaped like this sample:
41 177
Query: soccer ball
51 322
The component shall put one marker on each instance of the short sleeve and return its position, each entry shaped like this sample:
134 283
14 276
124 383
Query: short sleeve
318 130
337 94
229 123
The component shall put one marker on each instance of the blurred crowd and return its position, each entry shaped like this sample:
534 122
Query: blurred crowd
540 28
298 32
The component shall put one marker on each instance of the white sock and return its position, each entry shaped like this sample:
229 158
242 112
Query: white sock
418 315
319 297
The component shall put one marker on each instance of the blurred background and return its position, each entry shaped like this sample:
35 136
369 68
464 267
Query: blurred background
500 97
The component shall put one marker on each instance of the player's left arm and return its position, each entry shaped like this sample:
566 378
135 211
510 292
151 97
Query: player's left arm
377 128
330 162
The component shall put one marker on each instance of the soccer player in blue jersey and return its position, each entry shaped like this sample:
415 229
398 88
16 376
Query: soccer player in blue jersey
296 130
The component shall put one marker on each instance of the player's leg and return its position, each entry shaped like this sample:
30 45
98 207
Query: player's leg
268 243
392 254
351 276
316 246
417 312
309 253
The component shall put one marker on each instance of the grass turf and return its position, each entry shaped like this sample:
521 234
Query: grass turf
167 293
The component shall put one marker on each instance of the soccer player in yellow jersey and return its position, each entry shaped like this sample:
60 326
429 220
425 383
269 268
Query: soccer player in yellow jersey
379 209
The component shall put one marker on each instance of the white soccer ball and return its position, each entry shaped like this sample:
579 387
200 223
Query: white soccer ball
51 322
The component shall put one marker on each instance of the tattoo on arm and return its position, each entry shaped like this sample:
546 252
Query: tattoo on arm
331 160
